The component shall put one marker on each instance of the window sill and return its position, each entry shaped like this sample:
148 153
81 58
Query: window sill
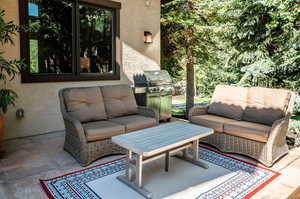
67 78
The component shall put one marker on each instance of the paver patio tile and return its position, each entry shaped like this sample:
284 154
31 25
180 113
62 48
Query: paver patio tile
274 190
4 192
25 191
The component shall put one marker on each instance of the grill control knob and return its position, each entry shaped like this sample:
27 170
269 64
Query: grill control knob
153 89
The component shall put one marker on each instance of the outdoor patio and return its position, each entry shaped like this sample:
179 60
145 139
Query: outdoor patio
156 99
42 157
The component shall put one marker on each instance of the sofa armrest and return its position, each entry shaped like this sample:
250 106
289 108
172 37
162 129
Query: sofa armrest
148 112
198 110
277 137
74 128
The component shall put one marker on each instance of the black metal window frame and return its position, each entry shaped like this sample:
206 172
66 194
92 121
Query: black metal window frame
28 77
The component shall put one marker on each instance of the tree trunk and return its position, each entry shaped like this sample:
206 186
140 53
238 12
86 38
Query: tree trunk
190 81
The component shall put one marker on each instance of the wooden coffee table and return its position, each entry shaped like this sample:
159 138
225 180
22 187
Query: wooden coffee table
156 142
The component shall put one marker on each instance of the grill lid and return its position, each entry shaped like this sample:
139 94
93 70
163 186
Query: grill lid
153 78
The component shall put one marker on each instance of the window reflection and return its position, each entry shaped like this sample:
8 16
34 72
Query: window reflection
96 39
50 36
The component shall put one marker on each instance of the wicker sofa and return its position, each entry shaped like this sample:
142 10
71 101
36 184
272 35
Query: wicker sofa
250 121
92 115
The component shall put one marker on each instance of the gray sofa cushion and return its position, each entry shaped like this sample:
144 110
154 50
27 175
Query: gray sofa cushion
228 101
85 104
119 100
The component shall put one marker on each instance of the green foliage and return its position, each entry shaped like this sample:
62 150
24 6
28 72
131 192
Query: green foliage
8 68
249 43
7 98
297 108
266 44
294 127
34 56
178 112
296 117
184 26
187 43
6 29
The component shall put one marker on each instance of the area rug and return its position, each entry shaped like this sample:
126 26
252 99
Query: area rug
226 178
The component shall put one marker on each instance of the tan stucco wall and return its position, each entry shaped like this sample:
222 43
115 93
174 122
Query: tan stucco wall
40 101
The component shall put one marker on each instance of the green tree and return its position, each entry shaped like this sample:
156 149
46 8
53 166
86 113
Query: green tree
252 43
264 39
187 41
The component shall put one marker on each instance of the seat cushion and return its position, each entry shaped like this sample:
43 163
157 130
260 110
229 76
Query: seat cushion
119 100
102 130
211 121
249 130
266 105
85 104
135 122
228 101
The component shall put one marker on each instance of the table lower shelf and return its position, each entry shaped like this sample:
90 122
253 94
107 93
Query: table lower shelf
144 192
137 165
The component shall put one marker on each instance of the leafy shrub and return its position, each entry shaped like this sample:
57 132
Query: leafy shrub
297 108
8 68
295 128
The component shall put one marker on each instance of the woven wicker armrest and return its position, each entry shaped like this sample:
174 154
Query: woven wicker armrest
279 131
198 110
277 137
74 127
148 112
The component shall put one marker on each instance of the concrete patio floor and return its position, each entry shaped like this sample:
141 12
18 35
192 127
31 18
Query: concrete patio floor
42 157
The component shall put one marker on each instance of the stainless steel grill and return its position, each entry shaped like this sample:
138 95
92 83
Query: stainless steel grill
154 89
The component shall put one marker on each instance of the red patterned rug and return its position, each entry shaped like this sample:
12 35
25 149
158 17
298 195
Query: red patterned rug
227 177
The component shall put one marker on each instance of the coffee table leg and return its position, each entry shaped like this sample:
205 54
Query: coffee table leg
195 156
137 184
129 169
167 161
139 170
195 150
184 153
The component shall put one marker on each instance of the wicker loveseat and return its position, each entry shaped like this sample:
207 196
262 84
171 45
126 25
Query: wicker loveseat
250 121
92 115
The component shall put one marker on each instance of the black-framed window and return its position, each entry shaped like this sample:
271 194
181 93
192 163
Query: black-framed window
70 40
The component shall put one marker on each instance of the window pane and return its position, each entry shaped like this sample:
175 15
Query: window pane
50 37
34 56
96 39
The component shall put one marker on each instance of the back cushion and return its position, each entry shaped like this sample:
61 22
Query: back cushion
119 100
229 101
85 104
266 105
